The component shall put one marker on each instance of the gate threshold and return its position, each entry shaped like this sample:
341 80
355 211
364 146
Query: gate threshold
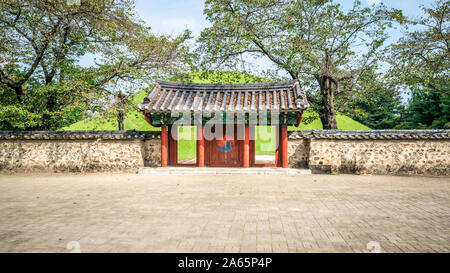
218 170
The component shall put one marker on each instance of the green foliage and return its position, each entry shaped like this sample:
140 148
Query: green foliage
426 109
333 52
13 117
317 42
216 76
381 110
377 105
420 62
41 84
50 105
422 57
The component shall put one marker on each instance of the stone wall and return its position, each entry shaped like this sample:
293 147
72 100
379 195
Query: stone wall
78 151
361 152
407 152
152 152
298 152
428 157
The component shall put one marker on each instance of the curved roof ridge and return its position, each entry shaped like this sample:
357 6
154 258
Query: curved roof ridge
226 86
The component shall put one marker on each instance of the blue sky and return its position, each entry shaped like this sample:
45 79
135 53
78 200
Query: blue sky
173 16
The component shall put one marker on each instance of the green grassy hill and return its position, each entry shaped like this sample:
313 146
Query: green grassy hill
135 120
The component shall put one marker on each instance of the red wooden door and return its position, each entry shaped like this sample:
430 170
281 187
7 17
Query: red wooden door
224 151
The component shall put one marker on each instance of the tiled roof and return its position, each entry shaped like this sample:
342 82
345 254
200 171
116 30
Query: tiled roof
226 97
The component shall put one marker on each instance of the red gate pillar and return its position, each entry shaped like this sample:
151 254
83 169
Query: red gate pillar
163 146
284 147
200 147
246 158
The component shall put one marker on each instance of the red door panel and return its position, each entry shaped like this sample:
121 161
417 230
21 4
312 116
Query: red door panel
226 151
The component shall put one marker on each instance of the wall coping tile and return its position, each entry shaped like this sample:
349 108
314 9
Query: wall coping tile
310 134
79 135
370 134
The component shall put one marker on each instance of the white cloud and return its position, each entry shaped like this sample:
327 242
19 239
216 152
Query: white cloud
373 2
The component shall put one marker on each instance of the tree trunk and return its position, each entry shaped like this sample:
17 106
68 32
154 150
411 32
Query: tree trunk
121 111
327 113
328 118
19 93
120 119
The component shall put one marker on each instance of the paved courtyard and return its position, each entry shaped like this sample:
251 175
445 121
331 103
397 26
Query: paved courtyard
223 213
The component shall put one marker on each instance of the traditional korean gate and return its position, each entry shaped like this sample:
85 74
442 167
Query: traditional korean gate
225 151
169 102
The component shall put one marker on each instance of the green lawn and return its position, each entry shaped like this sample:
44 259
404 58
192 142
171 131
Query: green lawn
187 144
343 123
265 140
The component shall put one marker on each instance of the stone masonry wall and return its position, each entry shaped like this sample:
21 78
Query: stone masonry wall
298 153
412 157
78 151
394 152
361 152
70 155
152 152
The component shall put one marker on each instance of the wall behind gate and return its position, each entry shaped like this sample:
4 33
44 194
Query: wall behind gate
400 152
412 152
78 151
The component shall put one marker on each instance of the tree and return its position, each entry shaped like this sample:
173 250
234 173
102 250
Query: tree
124 70
41 42
73 100
426 109
422 57
377 102
314 41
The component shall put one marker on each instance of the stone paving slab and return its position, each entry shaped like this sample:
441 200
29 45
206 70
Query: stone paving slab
223 213
219 170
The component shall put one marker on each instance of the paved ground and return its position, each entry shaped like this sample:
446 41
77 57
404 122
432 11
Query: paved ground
227 213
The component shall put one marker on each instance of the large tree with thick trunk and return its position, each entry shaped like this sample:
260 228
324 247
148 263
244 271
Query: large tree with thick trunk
42 86
318 42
